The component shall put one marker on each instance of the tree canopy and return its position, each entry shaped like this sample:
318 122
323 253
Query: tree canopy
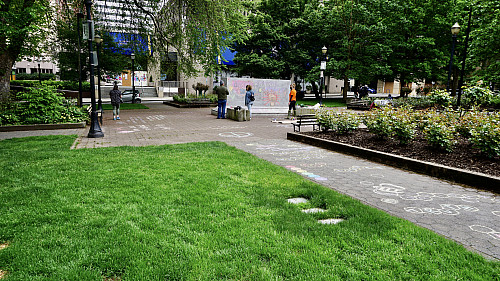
407 40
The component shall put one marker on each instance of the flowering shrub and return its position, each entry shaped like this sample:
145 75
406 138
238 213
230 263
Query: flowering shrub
341 123
440 98
475 96
485 135
379 121
404 127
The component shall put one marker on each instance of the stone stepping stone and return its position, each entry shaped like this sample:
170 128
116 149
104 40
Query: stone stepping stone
313 211
298 200
330 221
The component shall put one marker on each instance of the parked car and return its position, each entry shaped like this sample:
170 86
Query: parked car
127 96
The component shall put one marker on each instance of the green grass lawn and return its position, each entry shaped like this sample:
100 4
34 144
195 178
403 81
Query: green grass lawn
326 102
125 106
199 211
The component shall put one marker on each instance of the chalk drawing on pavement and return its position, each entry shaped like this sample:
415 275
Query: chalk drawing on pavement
486 230
354 169
395 190
390 200
313 165
367 183
446 209
496 213
235 135
377 176
306 173
388 189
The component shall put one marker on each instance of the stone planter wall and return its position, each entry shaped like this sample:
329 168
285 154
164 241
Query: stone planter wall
238 114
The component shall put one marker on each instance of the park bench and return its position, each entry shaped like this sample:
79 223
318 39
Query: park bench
99 113
306 120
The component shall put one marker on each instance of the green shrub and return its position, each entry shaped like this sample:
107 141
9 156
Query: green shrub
379 122
413 102
476 96
440 98
485 135
404 127
61 85
34 76
41 105
340 123
440 133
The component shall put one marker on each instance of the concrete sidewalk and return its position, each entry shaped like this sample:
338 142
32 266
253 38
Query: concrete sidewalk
466 215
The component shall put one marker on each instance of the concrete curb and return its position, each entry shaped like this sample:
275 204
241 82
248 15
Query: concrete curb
189 105
460 176
42 127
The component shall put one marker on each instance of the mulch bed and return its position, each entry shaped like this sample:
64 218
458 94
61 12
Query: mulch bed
464 156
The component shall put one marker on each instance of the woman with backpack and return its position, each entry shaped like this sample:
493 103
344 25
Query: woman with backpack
249 99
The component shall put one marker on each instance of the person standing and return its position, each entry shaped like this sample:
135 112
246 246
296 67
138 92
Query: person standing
292 100
116 100
222 94
249 99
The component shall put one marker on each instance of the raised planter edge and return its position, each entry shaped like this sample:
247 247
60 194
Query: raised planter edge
474 179
42 127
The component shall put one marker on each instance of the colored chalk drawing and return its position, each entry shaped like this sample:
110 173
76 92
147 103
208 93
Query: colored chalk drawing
306 173
486 230
268 93
446 209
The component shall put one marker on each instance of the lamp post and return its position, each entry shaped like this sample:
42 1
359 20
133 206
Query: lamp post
79 17
455 29
462 71
98 40
322 78
39 73
95 129
132 56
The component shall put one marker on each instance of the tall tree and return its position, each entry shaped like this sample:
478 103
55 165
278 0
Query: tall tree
198 30
418 35
484 46
22 25
273 47
355 41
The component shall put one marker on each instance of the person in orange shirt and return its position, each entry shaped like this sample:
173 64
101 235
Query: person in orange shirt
292 100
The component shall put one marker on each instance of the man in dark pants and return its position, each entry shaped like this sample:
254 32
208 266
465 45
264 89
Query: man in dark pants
222 94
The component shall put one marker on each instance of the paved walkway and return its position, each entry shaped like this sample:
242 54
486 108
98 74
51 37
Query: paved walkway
467 215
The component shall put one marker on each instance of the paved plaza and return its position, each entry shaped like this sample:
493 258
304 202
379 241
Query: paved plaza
466 215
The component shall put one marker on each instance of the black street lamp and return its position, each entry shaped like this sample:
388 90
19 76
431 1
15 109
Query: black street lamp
80 97
98 40
455 29
322 78
39 73
132 56
462 71
95 129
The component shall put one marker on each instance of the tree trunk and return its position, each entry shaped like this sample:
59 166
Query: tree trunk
5 70
346 88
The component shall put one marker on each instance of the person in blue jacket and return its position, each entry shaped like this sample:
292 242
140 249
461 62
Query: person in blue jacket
249 99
